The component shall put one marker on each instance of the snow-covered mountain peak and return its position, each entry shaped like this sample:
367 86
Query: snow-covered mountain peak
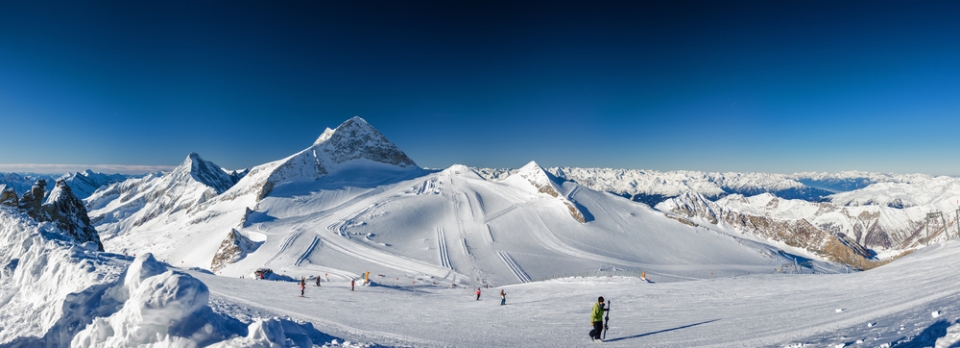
534 173
355 143
459 169
543 181
205 172
355 139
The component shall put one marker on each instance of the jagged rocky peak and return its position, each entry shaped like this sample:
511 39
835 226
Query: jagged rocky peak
355 139
205 172
69 214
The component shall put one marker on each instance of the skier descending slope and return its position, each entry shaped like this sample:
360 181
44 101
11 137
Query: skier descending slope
596 319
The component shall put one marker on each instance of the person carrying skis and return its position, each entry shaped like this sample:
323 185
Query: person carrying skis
596 319
478 294
503 297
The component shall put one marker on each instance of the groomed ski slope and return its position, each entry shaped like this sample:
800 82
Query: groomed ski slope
454 227
56 293
910 303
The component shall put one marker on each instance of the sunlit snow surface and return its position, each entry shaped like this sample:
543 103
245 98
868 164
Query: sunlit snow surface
59 293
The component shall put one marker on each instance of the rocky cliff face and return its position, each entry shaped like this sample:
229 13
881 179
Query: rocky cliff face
233 248
32 200
63 209
9 197
69 214
751 217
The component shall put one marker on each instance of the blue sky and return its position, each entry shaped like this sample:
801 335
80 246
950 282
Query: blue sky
770 86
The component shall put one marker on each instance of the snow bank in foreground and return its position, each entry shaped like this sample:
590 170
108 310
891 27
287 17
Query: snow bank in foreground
56 293
951 339
158 306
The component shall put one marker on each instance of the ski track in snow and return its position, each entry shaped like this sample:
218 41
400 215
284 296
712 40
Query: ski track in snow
500 213
442 247
551 242
478 275
514 267
483 210
576 189
373 255
287 242
427 186
310 249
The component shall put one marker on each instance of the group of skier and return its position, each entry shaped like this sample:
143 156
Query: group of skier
596 315
303 285
503 296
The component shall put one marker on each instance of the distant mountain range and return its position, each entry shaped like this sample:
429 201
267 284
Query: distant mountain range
83 184
352 198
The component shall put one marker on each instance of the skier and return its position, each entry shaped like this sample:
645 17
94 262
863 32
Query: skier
318 280
351 284
596 319
478 294
303 283
503 297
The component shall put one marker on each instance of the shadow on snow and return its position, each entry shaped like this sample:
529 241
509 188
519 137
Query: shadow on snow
661 331
928 337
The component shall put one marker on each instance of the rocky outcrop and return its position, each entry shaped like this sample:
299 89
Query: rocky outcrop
67 211
231 250
798 233
32 200
9 197
63 209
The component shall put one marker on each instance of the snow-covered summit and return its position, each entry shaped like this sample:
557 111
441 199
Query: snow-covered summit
541 181
135 202
87 182
355 139
538 177
355 143
194 168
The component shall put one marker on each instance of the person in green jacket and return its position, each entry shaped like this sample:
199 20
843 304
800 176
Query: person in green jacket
596 319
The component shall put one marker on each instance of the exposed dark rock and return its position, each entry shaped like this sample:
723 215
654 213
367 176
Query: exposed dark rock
231 250
32 200
69 214
9 197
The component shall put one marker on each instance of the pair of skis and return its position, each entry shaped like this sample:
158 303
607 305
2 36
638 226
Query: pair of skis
606 320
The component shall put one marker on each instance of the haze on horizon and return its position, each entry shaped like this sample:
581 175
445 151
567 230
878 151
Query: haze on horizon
777 87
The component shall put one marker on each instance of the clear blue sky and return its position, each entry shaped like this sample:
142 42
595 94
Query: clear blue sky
770 86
